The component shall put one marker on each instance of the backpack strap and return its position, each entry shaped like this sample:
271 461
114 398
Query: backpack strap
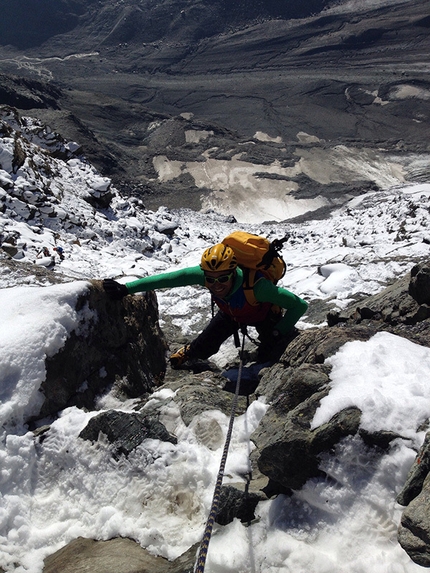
279 243
248 285
266 261
248 289
273 252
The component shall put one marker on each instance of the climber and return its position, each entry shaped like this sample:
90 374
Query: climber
60 252
220 273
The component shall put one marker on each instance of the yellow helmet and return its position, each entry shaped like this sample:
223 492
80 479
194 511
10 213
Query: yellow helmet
219 258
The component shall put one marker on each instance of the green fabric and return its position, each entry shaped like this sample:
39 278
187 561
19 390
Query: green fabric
264 291
182 277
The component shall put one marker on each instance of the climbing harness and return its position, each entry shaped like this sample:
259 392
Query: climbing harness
201 559
244 331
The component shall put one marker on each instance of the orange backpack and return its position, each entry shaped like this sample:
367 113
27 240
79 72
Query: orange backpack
255 253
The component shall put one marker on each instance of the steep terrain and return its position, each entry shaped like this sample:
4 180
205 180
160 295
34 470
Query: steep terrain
141 469
291 109
94 24
288 73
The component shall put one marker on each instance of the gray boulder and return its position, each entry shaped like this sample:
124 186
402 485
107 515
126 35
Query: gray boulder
417 474
126 430
414 528
114 556
288 450
197 393
402 308
313 346
237 504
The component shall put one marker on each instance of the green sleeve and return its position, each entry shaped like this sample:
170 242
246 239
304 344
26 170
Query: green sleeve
182 277
266 291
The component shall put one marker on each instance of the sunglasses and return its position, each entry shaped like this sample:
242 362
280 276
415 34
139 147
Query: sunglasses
223 279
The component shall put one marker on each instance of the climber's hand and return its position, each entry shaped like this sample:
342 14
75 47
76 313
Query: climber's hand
114 289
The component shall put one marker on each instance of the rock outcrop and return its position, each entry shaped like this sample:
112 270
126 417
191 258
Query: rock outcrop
120 345
402 308
414 529
126 430
288 452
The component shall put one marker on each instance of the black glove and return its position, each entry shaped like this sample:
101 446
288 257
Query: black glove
114 289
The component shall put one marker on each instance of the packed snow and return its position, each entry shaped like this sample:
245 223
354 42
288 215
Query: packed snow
60 488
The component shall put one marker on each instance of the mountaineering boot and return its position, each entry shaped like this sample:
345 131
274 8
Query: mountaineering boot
179 357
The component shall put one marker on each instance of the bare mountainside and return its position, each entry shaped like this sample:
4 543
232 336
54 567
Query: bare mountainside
94 23
129 80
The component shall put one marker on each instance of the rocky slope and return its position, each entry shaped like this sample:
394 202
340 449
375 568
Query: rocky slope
49 193
352 76
136 83
288 451
107 23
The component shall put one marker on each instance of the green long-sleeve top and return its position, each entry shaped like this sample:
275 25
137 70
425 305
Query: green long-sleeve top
264 291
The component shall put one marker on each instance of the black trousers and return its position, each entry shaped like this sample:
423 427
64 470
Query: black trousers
221 327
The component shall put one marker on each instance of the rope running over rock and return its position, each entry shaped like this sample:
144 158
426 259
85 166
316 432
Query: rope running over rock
201 559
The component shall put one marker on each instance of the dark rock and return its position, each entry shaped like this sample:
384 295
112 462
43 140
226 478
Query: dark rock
283 445
126 430
335 317
422 313
381 439
417 474
396 304
120 345
419 287
237 504
366 313
167 228
344 423
414 529
286 388
287 450
313 346
100 201
394 309
273 489
11 250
